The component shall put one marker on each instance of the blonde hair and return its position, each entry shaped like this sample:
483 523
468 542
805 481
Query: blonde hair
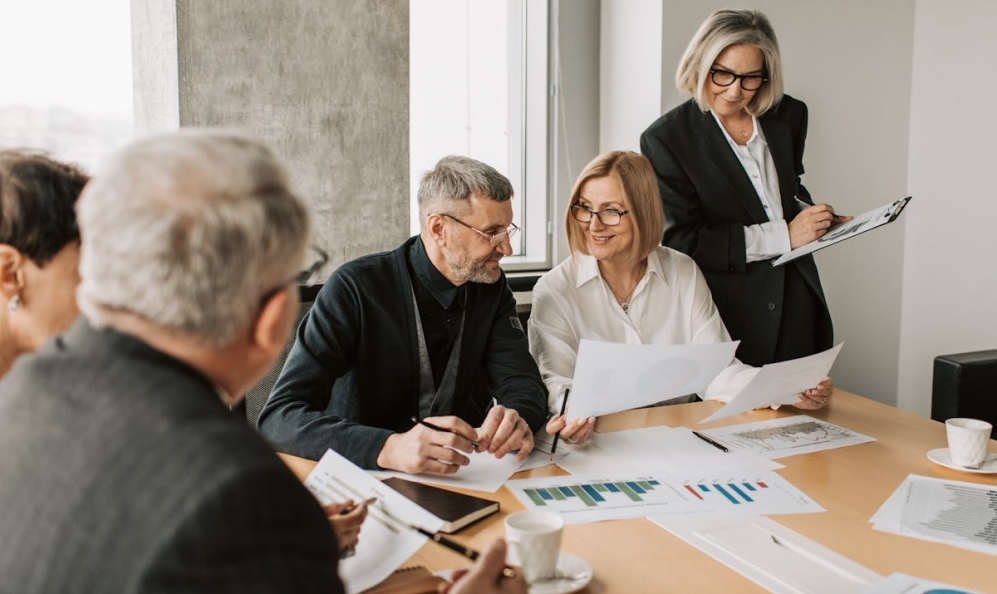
719 31
640 196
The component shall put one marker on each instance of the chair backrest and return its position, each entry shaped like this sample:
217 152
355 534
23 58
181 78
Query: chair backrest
522 290
258 394
963 385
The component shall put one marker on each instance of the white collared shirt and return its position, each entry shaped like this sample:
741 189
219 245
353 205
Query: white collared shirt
771 239
672 304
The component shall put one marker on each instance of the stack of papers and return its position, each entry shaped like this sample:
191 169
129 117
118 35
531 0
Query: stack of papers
952 512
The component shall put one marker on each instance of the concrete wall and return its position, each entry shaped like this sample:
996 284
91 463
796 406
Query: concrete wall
324 82
950 277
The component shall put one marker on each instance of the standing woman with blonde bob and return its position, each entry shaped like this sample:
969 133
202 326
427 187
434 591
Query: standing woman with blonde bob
39 250
728 164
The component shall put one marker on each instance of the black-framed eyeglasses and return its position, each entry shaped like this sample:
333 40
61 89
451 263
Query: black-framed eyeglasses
725 78
609 217
494 239
318 258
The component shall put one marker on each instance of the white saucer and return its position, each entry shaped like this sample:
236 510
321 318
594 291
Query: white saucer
943 457
567 564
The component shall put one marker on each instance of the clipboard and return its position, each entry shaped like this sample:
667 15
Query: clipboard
866 221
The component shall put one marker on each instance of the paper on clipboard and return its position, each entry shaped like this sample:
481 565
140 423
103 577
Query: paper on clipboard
876 217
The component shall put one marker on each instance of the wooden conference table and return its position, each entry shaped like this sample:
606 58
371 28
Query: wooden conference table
629 556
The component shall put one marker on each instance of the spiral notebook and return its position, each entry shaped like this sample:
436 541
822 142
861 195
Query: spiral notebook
455 509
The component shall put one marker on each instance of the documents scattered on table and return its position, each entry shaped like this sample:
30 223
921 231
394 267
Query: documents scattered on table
672 450
484 473
611 377
589 498
386 541
787 436
901 583
866 221
771 555
952 512
779 383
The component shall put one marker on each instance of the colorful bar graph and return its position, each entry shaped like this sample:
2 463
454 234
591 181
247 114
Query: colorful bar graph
593 494
734 493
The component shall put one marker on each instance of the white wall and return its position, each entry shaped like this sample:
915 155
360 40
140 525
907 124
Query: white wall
950 277
629 99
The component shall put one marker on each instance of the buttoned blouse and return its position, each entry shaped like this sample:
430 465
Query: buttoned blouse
671 305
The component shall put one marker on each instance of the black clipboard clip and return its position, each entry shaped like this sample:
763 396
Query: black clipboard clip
896 209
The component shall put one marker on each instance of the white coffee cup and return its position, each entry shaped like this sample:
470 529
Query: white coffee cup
968 441
534 540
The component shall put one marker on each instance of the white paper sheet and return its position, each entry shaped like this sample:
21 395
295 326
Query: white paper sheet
540 456
592 498
676 451
901 583
780 383
386 541
610 377
957 513
788 436
772 555
484 473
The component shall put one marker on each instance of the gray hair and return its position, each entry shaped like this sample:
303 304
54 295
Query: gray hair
719 31
189 231
452 181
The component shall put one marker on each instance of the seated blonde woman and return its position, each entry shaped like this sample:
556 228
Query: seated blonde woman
620 285
39 250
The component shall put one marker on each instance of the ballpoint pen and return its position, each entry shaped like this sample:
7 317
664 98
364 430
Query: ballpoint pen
435 428
564 406
351 550
836 218
470 553
715 444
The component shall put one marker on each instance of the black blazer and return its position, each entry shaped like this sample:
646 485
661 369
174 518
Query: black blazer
708 200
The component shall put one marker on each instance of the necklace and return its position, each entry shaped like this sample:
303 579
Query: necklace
625 300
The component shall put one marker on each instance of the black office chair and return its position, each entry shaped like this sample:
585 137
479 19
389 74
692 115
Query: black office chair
965 385
522 289
258 394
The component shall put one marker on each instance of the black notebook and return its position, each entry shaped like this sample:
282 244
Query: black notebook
455 509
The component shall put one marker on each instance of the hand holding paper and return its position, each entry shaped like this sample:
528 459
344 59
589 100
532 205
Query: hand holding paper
780 383
610 377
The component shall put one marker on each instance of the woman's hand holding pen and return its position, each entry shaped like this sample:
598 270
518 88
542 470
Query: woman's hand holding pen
577 431
433 446
812 223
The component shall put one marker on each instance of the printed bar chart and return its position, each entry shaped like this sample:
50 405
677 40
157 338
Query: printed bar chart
592 494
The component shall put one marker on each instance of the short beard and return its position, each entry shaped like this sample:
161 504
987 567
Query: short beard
463 267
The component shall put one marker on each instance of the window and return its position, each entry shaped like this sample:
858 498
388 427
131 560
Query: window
478 87
67 78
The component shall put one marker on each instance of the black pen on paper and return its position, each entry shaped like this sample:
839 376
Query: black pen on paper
564 406
508 572
349 510
435 428
715 444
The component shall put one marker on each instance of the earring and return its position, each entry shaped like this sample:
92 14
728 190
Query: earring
14 303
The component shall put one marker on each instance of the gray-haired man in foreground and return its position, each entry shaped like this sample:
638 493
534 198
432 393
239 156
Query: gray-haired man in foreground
123 469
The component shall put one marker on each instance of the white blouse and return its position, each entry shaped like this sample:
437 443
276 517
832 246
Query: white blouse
671 305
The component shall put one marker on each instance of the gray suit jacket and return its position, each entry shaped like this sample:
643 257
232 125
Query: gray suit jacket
122 471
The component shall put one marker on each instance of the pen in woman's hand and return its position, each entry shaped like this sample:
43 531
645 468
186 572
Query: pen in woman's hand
835 218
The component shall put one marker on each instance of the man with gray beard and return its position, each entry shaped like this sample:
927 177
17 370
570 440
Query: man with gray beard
411 359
